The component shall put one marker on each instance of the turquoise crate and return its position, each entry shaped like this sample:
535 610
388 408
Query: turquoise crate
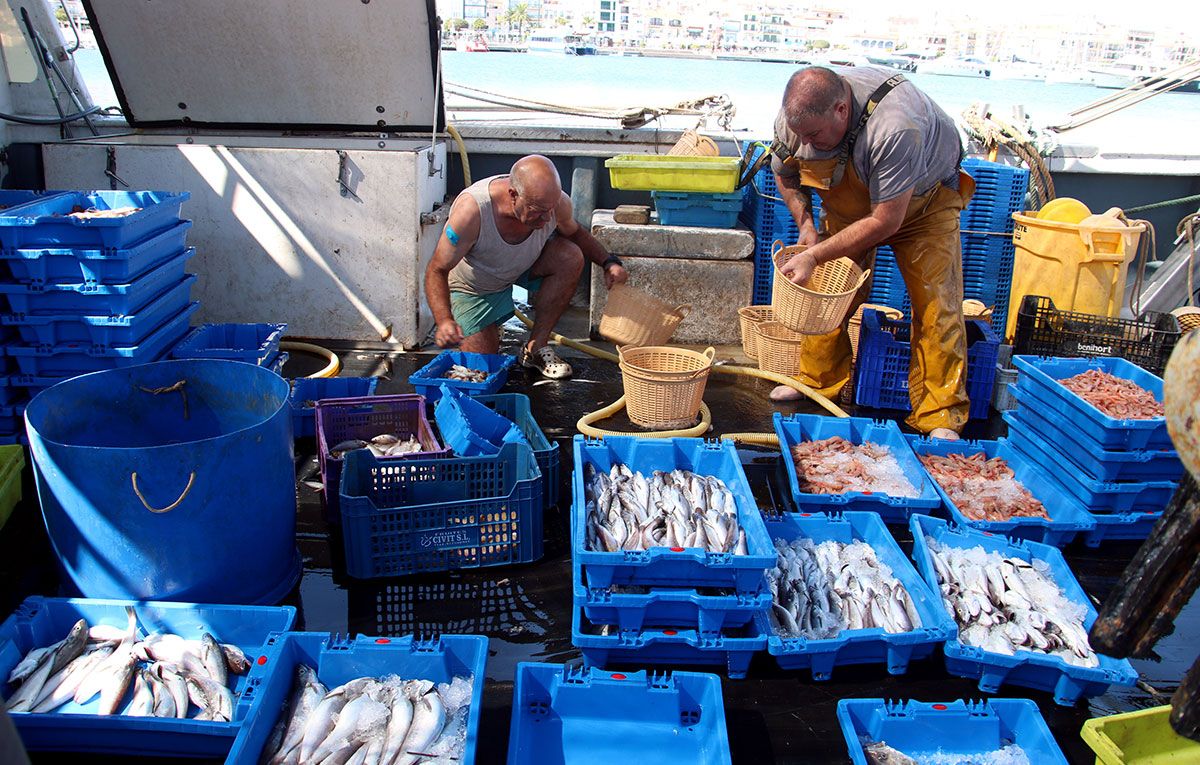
94 264
472 429
45 222
428 380
41 621
515 406
88 299
679 208
251 343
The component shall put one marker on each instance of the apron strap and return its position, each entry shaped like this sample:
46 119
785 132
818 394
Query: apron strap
872 102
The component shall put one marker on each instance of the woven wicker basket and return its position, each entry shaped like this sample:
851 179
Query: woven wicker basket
855 325
634 317
778 348
821 307
1188 317
747 318
976 309
664 386
692 144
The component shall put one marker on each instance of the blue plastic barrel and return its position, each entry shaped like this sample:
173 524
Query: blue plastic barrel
169 481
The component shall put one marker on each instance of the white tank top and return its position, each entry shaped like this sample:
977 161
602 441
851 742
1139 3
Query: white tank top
493 265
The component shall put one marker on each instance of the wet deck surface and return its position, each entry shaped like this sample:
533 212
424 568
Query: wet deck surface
773 716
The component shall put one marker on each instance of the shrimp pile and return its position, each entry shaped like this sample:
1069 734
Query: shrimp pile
983 489
835 466
1114 396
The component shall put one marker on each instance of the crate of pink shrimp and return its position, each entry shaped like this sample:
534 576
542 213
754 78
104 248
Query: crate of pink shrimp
853 463
991 486
1117 404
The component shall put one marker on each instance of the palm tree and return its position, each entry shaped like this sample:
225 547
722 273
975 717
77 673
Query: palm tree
479 25
588 21
519 15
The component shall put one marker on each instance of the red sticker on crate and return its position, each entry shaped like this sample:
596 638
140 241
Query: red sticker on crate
618 676
940 707
262 660
382 640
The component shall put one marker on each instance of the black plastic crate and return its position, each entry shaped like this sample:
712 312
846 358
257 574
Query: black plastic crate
1043 330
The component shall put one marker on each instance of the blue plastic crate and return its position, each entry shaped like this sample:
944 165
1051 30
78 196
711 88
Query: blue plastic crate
1040 376
128 329
705 610
732 648
12 420
251 343
71 359
409 516
339 660
671 566
472 429
97 299
428 380
516 407
12 198
277 362
796 428
676 208
562 715
884 355
45 222
1028 669
950 728
1068 517
1087 454
41 621
306 391
768 217
95 265
864 646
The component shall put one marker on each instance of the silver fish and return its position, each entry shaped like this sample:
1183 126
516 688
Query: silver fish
213 659
358 720
307 692
879 753
347 446
211 697
142 704
119 678
61 688
398 725
320 723
164 701
50 664
27 665
175 685
429 717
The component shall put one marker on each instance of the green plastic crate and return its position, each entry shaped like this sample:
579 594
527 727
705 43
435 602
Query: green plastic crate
1144 737
12 462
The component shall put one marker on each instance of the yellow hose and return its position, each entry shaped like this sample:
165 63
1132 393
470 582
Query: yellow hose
330 370
462 152
757 439
584 425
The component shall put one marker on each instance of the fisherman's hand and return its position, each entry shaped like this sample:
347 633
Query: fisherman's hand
615 274
808 235
448 333
799 267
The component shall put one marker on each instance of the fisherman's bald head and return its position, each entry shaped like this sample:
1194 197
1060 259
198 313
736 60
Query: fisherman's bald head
813 92
536 179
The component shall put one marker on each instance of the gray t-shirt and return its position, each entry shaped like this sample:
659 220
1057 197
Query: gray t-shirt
908 142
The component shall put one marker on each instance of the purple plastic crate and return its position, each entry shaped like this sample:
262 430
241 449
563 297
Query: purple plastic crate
364 417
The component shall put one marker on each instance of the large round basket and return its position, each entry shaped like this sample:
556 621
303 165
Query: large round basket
819 307
747 318
778 348
664 386
634 317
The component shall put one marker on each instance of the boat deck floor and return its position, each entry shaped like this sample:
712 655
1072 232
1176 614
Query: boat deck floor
773 716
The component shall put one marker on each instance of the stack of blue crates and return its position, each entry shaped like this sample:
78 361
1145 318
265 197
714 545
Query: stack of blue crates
673 606
88 293
250 343
1124 472
986 225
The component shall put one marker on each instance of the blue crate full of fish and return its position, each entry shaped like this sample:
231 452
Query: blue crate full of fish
818 622
421 515
1051 652
108 219
90 299
516 407
1126 510
715 560
1084 453
630 608
1043 379
563 714
608 646
679 208
471 429
995 730
250 343
96 265
473 373
895 485
105 329
885 353
434 708
307 391
113 723
76 358
975 487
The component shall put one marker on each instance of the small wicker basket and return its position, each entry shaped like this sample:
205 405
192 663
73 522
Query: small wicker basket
634 317
976 309
747 318
1188 317
664 386
821 307
692 144
778 348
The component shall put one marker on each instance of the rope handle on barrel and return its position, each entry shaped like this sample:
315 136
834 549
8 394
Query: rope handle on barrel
186 490
177 387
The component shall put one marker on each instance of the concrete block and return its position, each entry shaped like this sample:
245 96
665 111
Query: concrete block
715 289
653 240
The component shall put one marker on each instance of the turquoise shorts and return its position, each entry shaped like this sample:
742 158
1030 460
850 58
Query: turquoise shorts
475 313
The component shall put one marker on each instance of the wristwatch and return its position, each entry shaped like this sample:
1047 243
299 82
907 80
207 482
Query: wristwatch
610 261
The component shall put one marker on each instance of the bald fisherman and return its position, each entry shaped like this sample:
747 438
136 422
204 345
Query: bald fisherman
505 230
884 159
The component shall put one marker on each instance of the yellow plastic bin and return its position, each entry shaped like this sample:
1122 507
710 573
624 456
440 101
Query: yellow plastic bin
656 172
1081 266
1144 737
